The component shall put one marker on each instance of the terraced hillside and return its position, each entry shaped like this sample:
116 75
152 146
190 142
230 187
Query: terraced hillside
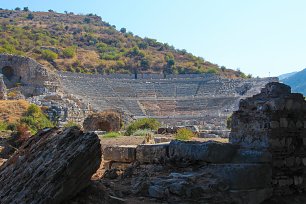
196 99
85 43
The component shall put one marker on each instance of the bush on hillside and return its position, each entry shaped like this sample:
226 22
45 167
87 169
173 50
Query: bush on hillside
49 55
184 134
35 119
69 52
142 124
3 126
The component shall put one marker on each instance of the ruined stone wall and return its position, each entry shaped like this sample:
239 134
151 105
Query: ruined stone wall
266 156
26 72
275 121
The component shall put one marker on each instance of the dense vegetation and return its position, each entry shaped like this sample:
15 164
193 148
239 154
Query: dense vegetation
85 43
29 123
142 124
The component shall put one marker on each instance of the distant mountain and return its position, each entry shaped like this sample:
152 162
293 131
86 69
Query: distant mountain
284 76
297 82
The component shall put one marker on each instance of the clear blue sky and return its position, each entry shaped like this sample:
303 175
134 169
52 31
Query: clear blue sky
257 36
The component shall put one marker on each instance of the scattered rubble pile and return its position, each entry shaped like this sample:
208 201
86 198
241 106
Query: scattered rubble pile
103 121
275 121
51 167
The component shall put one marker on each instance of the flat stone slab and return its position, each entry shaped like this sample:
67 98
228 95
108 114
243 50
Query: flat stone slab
211 151
151 153
122 153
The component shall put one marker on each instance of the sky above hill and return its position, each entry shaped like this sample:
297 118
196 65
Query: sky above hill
263 38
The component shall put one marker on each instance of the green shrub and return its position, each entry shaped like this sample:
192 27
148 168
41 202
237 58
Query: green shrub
30 16
35 119
3 126
111 135
142 124
69 52
49 55
184 134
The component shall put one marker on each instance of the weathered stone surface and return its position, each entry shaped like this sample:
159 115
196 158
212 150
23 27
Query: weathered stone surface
212 152
3 95
272 121
252 156
104 121
50 167
253 196
122 153
154 153
28 72
243 176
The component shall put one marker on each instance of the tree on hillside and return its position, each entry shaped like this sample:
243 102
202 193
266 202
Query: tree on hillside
86 20
30 16
123 30
223 68
26 9
17 9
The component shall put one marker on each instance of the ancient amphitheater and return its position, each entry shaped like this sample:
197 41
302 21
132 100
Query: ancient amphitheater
191 99
201 99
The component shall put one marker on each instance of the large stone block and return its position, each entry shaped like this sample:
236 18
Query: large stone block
243 176
212 152
123 153
252 156
151 153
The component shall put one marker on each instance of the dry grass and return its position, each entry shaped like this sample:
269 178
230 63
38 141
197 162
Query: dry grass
223 140
12 110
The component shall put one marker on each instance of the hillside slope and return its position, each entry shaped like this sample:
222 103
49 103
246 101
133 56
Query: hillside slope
85 43
297 82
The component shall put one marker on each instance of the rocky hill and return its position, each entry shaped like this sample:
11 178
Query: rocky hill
297 82
85 43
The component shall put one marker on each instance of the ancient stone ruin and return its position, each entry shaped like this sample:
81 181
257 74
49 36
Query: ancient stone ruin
275 121
103 121
205 100
265 157
32 77
196 99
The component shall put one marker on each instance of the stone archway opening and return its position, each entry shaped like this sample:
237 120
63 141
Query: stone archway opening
8 72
